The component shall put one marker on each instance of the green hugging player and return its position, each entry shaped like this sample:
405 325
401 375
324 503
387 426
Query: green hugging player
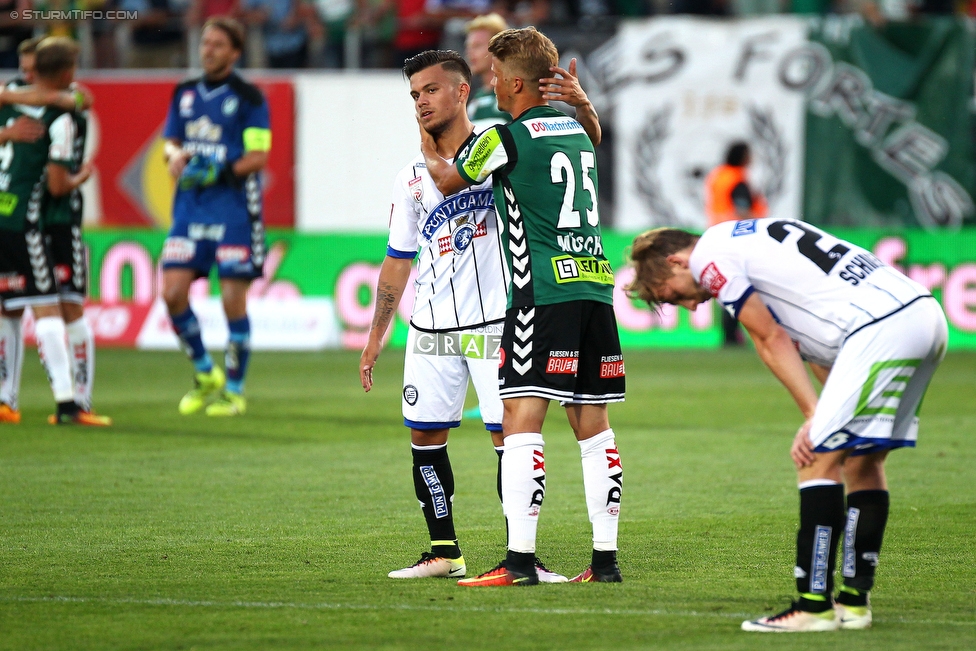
42 261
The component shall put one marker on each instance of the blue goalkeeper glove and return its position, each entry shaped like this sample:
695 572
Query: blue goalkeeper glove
200 172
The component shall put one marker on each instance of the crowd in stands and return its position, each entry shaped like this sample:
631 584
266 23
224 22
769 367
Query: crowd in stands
358 33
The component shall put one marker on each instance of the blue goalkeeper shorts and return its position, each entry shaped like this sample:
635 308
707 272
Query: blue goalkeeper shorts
237 249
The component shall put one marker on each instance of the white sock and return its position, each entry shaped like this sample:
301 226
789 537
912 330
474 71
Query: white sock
523 488
603 482
53 350
81 351
11 360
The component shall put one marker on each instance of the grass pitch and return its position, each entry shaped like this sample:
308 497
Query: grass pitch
276 530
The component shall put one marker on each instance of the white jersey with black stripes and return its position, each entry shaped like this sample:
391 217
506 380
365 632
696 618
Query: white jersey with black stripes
462 278
819 288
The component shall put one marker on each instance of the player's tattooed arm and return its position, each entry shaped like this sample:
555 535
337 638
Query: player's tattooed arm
566 88
394 275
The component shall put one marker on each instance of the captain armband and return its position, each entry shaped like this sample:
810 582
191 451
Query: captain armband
257 139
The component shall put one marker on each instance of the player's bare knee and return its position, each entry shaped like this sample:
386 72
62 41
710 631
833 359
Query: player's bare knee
176 300
826 465
72 312
425 437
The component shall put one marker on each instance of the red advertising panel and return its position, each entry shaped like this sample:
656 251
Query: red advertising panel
131 186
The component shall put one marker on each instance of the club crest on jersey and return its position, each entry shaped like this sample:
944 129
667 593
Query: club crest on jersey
416 186
458 241
186 104
229 106
712 279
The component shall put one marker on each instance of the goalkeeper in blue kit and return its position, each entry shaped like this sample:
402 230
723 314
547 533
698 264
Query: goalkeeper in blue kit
218 138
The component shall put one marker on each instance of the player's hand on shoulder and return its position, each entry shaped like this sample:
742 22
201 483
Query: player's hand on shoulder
24 129
802 449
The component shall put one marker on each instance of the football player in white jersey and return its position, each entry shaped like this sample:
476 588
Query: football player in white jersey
871 335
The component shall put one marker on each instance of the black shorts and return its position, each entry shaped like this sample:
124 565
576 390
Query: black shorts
26 273
68 256
568 352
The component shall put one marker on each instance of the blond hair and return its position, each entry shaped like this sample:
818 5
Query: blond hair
649 258
526 52
491 23
54 55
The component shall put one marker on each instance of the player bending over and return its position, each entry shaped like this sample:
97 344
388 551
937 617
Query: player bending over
873 338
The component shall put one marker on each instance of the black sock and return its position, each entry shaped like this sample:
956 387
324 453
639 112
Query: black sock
604 562
433 481
867 515
68 408
521 562
821 523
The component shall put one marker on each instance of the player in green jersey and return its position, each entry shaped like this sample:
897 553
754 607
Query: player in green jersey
560 339
482 105
27 170
26 130
61 222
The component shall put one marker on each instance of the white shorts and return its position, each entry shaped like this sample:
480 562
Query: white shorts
436 371
875 388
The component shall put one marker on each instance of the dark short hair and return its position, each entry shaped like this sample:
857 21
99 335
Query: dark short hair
737 154
233 29
29 46
448 59
54 55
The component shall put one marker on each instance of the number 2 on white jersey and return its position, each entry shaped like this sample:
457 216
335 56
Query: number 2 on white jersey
561 171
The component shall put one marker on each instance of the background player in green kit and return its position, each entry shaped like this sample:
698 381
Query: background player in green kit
560 338
62 222
482 106
27 171
26 130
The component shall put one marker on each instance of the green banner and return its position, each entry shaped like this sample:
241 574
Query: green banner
345 268
889 133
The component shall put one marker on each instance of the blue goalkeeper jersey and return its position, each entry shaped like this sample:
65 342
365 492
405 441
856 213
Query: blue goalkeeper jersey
222 121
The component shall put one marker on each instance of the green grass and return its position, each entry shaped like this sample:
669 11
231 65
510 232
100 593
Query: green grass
276 530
